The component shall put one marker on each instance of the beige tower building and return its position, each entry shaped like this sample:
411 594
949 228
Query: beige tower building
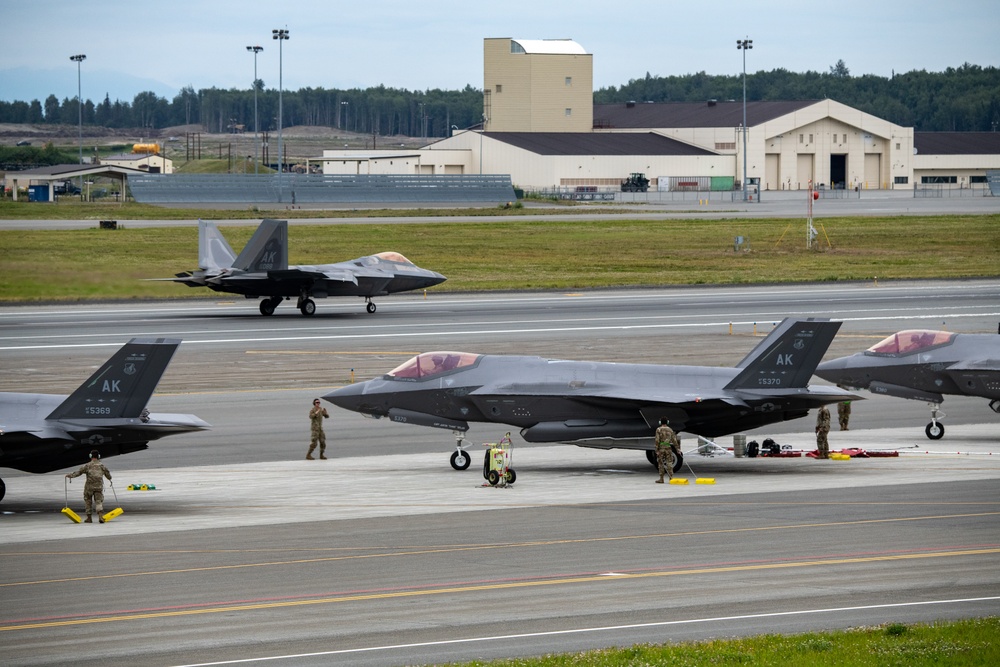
537 85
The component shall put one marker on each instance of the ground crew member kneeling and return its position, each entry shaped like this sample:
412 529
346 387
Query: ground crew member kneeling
93 488
666 444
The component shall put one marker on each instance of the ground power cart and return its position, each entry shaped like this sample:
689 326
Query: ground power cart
497 466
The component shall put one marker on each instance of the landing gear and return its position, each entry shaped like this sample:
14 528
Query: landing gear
678 459
267 306
370 307
935 430
307 306
3 489
460 459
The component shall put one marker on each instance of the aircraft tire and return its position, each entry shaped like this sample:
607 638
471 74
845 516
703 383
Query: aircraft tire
678 460
308 307
935 431
267 307
371 307
493 478
3 489
510 476
460 460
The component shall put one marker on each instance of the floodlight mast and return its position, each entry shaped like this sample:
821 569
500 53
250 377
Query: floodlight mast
280 35
256 128
79 58
744 45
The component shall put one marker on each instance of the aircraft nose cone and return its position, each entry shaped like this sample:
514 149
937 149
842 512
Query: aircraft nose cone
348 397
834 370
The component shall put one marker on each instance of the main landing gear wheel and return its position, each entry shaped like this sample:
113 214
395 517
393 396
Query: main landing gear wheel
678 459
460 460
370 307
3 489
308 307
267 306
935 430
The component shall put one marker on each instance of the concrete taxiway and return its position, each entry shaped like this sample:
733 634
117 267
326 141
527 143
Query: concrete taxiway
224 496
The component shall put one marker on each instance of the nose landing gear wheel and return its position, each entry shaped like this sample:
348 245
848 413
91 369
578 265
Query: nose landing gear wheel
370 307
460 460
935 430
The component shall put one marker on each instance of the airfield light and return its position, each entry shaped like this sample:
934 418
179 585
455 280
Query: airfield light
281 36
79 107
744 45
256 129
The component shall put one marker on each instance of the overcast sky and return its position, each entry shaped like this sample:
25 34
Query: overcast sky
165 45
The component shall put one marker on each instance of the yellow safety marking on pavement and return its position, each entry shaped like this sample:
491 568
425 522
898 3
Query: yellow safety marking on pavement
492 587
423 551
342 353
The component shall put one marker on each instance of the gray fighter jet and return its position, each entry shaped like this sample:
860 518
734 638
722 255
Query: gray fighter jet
924 365
44 432
261 271
602 405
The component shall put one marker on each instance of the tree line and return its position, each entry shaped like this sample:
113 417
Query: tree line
963 99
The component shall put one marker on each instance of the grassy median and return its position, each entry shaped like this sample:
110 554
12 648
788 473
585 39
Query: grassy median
523 253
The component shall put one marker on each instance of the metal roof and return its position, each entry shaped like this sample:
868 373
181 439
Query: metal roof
957 143
551 46
636 115
597 143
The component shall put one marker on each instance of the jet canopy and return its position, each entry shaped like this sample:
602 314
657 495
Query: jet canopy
431 364
908 342
390 256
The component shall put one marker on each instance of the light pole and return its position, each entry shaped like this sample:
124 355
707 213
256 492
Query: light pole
343 114
744 45
255 50
281 36
79 107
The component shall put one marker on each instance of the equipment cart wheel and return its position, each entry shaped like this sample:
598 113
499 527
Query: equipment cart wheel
493 477
460 460
510 476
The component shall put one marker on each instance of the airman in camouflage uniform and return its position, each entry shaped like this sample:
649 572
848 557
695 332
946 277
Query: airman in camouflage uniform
666 442
93 488
822 429
316 417
844 414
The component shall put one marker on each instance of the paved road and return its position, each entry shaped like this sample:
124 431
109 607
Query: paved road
651 207
384 555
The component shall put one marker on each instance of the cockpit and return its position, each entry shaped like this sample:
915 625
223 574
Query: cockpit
391 256
908 342
432 364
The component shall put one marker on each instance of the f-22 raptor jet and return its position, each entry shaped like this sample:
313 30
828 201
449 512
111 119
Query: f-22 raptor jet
44 432
924 365
603 405
261 271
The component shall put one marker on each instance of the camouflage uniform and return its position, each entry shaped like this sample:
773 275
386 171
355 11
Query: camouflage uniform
93 488
666 440
822 429
844 414
316 417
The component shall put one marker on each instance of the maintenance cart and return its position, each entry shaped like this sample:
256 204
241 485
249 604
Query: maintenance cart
497 465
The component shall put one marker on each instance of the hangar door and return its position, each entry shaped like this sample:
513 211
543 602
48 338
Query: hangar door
804 169
772 172
838 171
873 171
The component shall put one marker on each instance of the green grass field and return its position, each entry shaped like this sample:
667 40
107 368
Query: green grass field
970 643
523 253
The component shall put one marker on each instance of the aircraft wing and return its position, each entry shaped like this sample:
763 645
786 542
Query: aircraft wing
311 275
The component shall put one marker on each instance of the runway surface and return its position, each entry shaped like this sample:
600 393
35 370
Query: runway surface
383 555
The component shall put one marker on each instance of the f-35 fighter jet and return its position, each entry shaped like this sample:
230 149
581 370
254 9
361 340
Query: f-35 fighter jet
261 271
43 432
924 365
602 405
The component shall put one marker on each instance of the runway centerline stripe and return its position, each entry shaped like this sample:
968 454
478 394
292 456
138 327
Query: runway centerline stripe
493 587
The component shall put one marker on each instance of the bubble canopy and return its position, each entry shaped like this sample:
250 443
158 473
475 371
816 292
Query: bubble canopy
910 341
431 364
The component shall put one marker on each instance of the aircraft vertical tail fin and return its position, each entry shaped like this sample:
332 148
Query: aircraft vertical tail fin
267 249
214 252
121 387
788 356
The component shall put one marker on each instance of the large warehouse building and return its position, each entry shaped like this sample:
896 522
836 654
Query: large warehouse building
540 125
